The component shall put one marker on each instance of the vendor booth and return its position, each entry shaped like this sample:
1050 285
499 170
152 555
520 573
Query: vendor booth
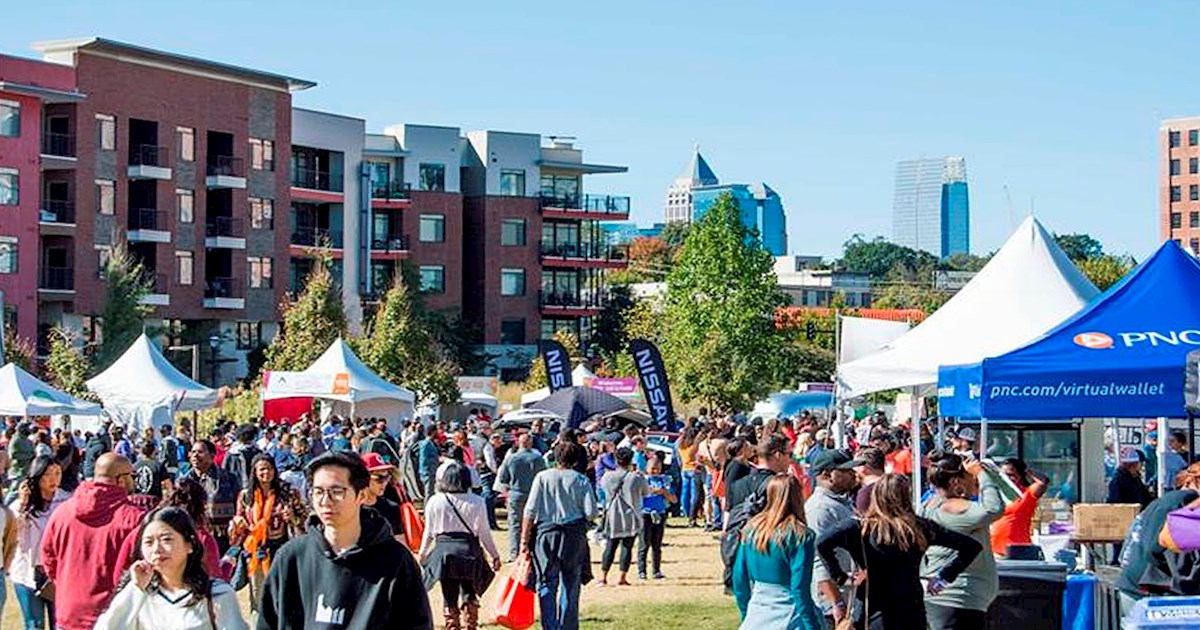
142 389
22 394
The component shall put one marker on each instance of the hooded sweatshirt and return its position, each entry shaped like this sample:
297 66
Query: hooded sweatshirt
373 584
80 548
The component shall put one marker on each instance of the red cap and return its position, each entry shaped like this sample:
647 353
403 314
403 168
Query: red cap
375 462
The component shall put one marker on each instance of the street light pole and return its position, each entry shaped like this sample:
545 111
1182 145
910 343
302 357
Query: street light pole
214 342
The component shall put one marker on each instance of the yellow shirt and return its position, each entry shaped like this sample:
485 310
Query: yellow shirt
687 458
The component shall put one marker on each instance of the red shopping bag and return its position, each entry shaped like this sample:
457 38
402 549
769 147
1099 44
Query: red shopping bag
515 604
414 527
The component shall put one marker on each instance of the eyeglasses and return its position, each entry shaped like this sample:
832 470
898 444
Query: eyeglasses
334 494
381 477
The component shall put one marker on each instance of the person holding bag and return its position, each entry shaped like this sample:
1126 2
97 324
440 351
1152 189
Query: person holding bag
38 496
626 489
456 535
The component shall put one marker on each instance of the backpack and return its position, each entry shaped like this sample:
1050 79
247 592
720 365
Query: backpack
169 454
738 516
238 464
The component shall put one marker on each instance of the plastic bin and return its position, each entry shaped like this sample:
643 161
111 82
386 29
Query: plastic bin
1030 596
1164 613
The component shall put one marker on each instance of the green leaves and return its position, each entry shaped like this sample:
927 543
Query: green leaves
123 317
310 323
66 367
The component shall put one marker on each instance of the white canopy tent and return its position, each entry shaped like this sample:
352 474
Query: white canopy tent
142 389
22 394
1028 287
367 394
579 378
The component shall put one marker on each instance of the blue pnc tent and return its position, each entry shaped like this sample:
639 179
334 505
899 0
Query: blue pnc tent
1122 356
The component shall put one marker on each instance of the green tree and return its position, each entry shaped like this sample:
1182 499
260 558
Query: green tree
67 368
881 259
905 295
124 315
1105 270
310 323
721 301
801 362
537 370
609 336
675 234
1079 247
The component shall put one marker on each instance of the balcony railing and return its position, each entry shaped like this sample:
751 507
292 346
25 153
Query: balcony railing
584 251
569 300
59 144
225 226
149 155
391 191
314 179
317 237
58 211
222 288
226 165
57 279
147 219
596 204
389 242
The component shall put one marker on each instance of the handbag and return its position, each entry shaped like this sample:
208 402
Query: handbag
414 527
515 605
1181 533
474 567
43 585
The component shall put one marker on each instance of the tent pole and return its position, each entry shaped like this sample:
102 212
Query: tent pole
915 423
941 434
983 437
1164 431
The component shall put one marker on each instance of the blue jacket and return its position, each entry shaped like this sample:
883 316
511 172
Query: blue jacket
788 562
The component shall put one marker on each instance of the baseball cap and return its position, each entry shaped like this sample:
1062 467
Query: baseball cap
967 434
374 462
832 459
1130 455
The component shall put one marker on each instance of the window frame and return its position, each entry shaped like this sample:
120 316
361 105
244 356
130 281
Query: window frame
187 150
103 185
262 154
1176 220
1193 137
264 217
180 195
106 132
1174 167
513 322
260 272
440 219
10 250
15 187
508 272
510 172
180 257
1176 193
441 271
1173 139
15 107
424 184
505 223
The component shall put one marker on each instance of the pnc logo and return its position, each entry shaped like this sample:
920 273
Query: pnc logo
1094 340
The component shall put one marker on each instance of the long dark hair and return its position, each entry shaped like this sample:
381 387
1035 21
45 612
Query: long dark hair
195 578
190 496
277 486
890 520
38 504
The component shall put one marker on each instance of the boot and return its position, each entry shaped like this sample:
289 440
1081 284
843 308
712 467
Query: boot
471 615
452 622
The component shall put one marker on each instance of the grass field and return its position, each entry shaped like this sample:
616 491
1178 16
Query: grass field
689 599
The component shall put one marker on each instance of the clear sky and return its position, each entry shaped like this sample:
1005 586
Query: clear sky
1060 102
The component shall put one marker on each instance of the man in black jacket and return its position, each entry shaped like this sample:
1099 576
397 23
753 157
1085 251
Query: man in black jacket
347 571
1127 485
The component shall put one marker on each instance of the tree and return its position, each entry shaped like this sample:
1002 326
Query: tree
537 371
18 350
400 346
1079 247
310 323
906 295
675 234
881 259
66 367
1105 270
609 336
124 314
801 362
720 312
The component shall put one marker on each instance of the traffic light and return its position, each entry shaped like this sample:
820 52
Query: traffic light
810 330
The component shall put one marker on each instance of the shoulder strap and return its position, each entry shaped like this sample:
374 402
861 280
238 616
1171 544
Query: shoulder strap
460 517
212 614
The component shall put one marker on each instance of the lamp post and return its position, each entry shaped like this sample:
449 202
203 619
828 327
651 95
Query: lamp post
214 343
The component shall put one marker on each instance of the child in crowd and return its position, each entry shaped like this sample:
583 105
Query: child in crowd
654 517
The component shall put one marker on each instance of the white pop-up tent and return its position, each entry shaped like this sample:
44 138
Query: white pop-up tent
1028 287
22 394
142 389
579 378
340 377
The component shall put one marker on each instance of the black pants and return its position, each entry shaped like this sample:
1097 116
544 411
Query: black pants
610 550
949 618
651 540
452 588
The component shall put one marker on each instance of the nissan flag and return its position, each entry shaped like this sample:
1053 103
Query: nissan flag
558 364
654 382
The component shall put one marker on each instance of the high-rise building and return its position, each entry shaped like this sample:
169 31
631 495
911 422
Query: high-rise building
1179 182
679 193
760 207
931 208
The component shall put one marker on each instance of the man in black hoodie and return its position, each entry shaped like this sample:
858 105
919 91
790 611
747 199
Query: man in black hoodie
347 572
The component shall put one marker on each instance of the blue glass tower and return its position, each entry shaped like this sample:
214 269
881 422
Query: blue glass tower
761 209
931 207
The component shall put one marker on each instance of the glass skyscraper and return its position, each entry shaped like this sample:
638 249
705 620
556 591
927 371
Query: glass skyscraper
931 207
761 209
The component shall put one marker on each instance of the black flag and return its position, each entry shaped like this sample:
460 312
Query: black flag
653 376
558 365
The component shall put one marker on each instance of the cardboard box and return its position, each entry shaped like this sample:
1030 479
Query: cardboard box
1099 522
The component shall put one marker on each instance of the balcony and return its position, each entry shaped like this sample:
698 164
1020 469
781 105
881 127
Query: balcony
226 171
157 295
57 280
567 303
581 254
147 225
598 206
58 146
224 233
389 195
389 244
314 179
148 161
317 237
223 293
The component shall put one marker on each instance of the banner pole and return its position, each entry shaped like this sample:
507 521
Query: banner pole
1164 432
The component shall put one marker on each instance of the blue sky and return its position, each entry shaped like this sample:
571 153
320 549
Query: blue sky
1060 102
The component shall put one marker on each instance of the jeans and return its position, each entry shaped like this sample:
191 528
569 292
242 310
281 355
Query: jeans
714 502
650 540
949 618
687 498
558 596
34 609
489 497
610 552
516 508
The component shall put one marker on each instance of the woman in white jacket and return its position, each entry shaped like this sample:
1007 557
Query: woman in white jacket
167 586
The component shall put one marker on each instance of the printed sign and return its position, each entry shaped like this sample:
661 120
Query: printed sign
278 384
478 385
616 386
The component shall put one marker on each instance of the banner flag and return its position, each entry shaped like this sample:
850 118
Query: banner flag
558 365
653 375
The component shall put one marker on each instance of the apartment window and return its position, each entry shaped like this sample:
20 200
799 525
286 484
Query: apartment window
103 255
1176 220
184 267
1193 137
10 119
433 177
1174 167
106 196
1195 244
106 132
262 154
512 332
8 254
512 183
249 335
433 278
1173 138
262 213
1194 192
260 272
1194 220
9 187
1176 195
512 232
1193 166
512 282
185 200
433 228
187 143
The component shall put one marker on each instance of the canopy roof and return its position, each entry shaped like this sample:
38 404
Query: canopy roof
1027 287
142 378
22 394
363 384
579 376
1122 357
